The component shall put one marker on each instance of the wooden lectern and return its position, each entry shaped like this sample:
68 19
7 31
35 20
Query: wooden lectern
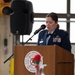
59 61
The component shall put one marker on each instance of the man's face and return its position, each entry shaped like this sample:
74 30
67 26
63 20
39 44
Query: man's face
50 24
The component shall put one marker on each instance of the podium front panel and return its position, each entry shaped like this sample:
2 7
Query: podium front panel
57 60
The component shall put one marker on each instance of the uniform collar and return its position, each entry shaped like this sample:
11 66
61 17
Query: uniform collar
51 32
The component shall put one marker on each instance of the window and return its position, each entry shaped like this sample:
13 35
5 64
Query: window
72 6
37 24
62 24
46 6
72 30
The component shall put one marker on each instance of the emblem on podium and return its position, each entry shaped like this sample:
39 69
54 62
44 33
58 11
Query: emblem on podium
34 63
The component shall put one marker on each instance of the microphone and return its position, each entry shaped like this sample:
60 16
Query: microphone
42 27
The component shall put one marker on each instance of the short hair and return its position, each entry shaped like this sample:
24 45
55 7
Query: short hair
53 16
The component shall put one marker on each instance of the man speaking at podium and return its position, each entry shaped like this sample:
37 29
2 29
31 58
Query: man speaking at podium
53 35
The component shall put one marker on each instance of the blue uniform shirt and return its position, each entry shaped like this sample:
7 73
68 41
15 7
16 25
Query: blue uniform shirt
59 37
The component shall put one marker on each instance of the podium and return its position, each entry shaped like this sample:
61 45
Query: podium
58 60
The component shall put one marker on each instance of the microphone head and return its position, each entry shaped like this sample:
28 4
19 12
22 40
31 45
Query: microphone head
43 26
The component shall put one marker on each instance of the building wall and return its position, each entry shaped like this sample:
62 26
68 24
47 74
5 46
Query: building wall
5 53
5 33
73 51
